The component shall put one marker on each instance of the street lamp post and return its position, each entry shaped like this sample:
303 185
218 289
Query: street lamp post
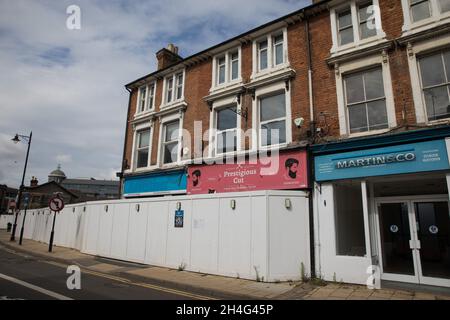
17 139
26 202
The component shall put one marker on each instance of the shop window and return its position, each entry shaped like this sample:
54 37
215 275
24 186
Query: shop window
349 220
435 73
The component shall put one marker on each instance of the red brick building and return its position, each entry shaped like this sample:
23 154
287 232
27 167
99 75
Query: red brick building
353 79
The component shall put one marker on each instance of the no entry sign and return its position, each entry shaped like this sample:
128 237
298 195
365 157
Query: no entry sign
56 204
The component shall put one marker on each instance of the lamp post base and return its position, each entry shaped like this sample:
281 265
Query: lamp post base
21 236
13 232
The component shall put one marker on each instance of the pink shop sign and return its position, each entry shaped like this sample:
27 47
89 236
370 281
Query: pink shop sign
286 171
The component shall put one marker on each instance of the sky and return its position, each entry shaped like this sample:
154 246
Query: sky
67 86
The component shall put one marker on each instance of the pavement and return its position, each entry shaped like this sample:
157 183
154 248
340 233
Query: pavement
27 277
200 286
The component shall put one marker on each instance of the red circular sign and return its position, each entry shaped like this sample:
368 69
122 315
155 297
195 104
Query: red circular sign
56 204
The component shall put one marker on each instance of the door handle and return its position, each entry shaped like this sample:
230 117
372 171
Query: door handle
414 245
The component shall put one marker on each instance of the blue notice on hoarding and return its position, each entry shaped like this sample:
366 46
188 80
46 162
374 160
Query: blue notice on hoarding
179 219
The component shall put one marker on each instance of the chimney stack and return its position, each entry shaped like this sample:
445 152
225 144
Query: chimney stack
168 57
34 182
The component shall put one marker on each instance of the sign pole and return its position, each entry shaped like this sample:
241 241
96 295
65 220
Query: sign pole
56 204
50 246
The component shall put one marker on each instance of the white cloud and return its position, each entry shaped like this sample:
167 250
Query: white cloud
67 86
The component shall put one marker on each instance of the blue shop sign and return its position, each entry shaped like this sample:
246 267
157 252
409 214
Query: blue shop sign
155 184
407 158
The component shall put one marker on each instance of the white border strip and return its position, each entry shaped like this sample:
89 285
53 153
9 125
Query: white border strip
35 288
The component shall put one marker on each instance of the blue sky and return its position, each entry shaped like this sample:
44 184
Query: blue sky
67 85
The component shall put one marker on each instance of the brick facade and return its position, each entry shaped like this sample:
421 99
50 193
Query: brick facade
326 114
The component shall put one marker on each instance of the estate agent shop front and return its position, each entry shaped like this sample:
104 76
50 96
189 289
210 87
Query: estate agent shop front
383 203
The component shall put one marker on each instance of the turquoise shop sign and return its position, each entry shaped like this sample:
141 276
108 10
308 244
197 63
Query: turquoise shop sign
406 158
156 184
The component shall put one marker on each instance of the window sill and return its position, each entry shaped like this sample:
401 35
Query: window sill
368 133
430 23
145 114
142 170
226 86
220 92
438 122
269 71
173 107
171 166
173 104
272 148
337 51
279 74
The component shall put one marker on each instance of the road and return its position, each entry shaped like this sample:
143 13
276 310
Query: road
25 277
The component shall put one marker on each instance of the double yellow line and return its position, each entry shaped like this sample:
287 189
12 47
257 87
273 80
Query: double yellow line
129 282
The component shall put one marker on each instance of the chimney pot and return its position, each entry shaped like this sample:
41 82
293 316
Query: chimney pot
168 56
34 182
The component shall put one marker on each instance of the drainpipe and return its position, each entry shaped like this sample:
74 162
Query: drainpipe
310 84
125 140
310 162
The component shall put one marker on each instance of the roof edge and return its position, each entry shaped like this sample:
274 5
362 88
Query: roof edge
268 24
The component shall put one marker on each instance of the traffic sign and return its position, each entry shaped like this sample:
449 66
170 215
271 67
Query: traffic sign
56 204
26 199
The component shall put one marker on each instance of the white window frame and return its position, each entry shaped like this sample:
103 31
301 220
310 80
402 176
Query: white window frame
434 20
162 131
428 46
339 28
175 87
266 50
271 67
359 65
274 50
147 106
348 105
267 91
228 69
179 86
357 41
438 52
141 99
218 105
219 66
137 130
